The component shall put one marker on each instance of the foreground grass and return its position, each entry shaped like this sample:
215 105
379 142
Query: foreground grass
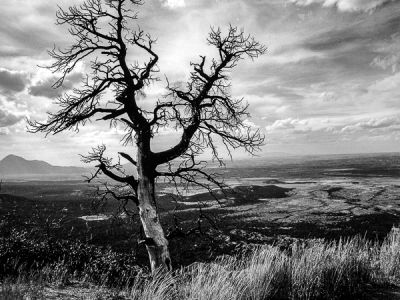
311 270
317 270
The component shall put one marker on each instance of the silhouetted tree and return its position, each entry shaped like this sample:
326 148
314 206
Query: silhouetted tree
203 109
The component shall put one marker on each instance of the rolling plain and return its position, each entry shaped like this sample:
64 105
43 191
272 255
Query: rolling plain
273 201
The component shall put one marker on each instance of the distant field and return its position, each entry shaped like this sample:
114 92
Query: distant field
272 202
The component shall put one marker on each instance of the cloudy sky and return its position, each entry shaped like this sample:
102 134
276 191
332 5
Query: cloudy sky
329 82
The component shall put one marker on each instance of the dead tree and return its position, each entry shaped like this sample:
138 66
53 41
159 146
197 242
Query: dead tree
202 110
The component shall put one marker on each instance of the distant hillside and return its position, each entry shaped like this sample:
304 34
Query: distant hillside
16 166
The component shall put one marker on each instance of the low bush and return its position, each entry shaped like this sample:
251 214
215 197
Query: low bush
63 260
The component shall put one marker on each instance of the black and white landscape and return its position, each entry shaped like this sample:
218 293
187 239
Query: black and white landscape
176 149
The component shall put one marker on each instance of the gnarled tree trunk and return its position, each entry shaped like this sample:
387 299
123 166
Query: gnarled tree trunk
156 242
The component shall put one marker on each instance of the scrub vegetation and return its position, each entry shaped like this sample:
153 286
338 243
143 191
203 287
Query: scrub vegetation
313 269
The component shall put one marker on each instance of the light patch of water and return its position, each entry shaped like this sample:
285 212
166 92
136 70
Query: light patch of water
95 218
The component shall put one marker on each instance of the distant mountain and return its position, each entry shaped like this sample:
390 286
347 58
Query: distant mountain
16 166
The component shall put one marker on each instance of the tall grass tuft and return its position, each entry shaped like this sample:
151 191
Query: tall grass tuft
389 256
265 274
203 281
158 287
330 270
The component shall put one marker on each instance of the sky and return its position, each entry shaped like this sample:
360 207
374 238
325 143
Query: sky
329 82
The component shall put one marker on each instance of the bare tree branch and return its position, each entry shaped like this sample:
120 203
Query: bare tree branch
206 108
106 167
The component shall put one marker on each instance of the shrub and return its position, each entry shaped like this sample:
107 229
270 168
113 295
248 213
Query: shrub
61 260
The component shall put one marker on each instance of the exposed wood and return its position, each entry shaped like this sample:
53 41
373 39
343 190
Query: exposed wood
157 244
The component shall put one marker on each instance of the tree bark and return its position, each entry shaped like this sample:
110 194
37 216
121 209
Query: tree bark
156 242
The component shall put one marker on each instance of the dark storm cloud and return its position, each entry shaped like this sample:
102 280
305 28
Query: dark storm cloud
8 119
45 87
11 81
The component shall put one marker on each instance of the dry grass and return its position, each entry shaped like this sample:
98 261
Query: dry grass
203 281
389 256
312 270
21 291
330 270
316 270
264 274
159 287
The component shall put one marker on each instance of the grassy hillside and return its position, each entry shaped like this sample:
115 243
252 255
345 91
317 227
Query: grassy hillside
354 268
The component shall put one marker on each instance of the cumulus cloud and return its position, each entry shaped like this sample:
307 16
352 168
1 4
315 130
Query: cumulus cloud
341 126
45 87
174 3
251 124
8 119
288 123
387 84
337 131
12 81
346 5
373 123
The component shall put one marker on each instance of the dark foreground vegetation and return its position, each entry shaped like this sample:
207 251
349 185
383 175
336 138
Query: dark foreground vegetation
312 269
62 260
